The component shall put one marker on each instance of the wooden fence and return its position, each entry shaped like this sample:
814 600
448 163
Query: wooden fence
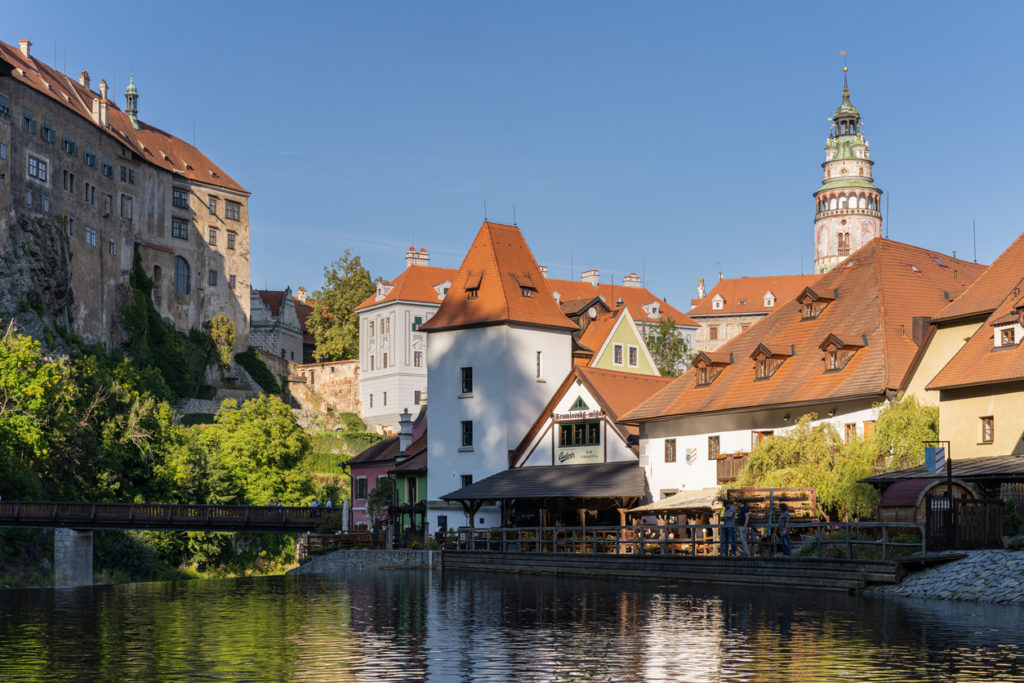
969 524
802 501
315 544
810 539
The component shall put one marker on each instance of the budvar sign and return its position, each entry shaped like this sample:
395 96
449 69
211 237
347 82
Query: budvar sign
578 455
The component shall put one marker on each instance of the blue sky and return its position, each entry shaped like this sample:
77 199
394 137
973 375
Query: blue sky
660 138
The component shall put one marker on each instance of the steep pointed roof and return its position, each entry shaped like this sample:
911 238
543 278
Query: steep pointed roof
498 283
876 294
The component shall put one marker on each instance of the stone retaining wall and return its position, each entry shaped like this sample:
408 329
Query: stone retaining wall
369 560
983 576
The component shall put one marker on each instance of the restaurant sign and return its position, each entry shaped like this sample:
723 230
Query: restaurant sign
578 415
578 455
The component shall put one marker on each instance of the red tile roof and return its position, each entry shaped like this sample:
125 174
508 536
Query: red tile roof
986 293
598 330
272 298
633 297
745 295
878 292
497 269
149 143
416 283
381 452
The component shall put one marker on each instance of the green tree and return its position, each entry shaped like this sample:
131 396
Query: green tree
668 348
380 498
902 427
334 322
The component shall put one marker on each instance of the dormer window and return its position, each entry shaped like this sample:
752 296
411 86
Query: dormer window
473 285
526 286
832 360
808 311
767 361
472 292
1007 337
839 349
709 366
717 303
527 292
769 300
812 303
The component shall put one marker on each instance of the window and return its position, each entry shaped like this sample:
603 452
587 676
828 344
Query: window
385 398
69 181
127 175
670 450
48 134
112 247
832 360
467 433
758 437
987 429
360 488
808 312
579 434
764 370
68 143
849 431
182 276
213 206
231 240
90 194
90 236
373 360
179 197
717 303
126 207
231 281
90 156
713 332
617 354
467 380
37 169
71 226
28 197
634 356
5 107
386 327
714 447
213 237
1007 337
417 359
27 124
540 366
3 150
442 522
232 211
472 292
179 228
466 480
213 278
46 204
417 397
527 292
371 328
416 322
108 204
371 395
384 360
744 327
108 168
869 429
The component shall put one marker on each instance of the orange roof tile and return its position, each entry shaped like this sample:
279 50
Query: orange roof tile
148 143
878 292
273 299
633 297
415 283
497 269
983 295
598 330
745 295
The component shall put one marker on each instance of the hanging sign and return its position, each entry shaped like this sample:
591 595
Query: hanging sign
935 459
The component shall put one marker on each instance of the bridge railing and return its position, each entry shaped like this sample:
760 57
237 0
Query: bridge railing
156 515
846 540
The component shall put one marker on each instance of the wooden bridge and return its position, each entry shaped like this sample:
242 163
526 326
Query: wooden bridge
160 517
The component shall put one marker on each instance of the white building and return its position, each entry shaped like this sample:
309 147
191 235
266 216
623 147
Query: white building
498 348
392 349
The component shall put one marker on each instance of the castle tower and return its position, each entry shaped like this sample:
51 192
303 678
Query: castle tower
848 213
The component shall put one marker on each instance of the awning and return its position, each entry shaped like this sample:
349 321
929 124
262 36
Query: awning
593 480
988 468
697 499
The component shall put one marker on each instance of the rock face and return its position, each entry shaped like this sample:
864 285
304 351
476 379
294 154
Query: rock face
983 576
35 275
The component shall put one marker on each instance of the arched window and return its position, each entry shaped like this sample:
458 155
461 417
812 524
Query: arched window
182 276
842 202
863 202
832 204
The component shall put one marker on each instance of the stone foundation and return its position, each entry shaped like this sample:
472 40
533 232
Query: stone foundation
72 557
341 561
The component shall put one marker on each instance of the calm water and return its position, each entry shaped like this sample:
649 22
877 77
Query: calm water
401 626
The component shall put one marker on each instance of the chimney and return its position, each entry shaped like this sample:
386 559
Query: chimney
417 258
543 270
632 280
83 79
96 111
103 89
404 431
26 48
590 276
300 294
701 292
103 103
920 328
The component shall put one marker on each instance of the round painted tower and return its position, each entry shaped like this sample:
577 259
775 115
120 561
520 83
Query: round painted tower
848 213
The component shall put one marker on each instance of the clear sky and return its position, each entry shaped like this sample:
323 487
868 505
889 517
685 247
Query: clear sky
652 137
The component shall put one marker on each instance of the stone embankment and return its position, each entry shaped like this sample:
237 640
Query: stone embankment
341 561
983 576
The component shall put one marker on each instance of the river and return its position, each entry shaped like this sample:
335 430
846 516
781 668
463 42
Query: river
417 626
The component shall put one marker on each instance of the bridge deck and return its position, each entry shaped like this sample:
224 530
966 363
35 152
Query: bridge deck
160 517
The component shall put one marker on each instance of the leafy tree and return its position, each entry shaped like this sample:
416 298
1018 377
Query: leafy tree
902 427
668 348
380 498
334 322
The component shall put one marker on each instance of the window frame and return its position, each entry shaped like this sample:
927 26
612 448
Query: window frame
618 354
179 197
714 446
466 384
179 228
466 434
988 430
670 450
232 210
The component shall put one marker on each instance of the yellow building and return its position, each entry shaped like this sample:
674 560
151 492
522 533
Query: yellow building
617 344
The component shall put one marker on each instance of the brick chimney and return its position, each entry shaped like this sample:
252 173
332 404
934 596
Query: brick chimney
300 295
83 79
26 48
417 258
590 276
632 280
404 431
543 270
103 103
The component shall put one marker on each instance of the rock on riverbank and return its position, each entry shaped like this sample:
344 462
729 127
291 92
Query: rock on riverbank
983 576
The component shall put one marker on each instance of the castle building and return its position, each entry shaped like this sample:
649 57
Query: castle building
84 186
848 213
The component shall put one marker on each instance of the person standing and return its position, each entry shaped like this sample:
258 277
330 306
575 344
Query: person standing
742 523
784 529
729 529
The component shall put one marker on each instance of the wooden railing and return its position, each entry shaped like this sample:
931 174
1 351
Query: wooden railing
844 540
159 516
315 544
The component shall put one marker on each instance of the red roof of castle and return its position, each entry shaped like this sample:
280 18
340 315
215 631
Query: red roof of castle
745 295
633 297
876 294
415 283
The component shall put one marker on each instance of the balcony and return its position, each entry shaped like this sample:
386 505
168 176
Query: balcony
729 466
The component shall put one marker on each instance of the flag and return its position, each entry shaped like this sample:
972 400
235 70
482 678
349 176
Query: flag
935 459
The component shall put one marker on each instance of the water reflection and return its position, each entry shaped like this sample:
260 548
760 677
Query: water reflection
416 626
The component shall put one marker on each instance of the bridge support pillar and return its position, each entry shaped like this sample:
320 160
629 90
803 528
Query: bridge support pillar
72 557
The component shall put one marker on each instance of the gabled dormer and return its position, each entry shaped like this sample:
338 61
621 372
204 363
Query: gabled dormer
767 360
1009 328
442 289
769 299
653 310
708 366
383 289
472 285
526 286
717 302
812 303
839 349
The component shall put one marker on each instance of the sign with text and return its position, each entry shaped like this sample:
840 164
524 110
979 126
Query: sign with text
935 459
578 455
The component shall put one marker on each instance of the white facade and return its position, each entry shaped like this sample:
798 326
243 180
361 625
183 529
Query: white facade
393 360
506 397
281 334
736 432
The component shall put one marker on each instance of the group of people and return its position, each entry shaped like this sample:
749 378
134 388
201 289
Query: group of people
736 524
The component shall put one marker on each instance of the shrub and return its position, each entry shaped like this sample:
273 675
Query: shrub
258 370
357 442
1012 521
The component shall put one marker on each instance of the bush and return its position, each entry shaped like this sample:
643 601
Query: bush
189 419
1012 521
258 370
352 422
332 521
357 442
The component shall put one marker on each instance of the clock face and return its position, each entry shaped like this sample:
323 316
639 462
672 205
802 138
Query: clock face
844 170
